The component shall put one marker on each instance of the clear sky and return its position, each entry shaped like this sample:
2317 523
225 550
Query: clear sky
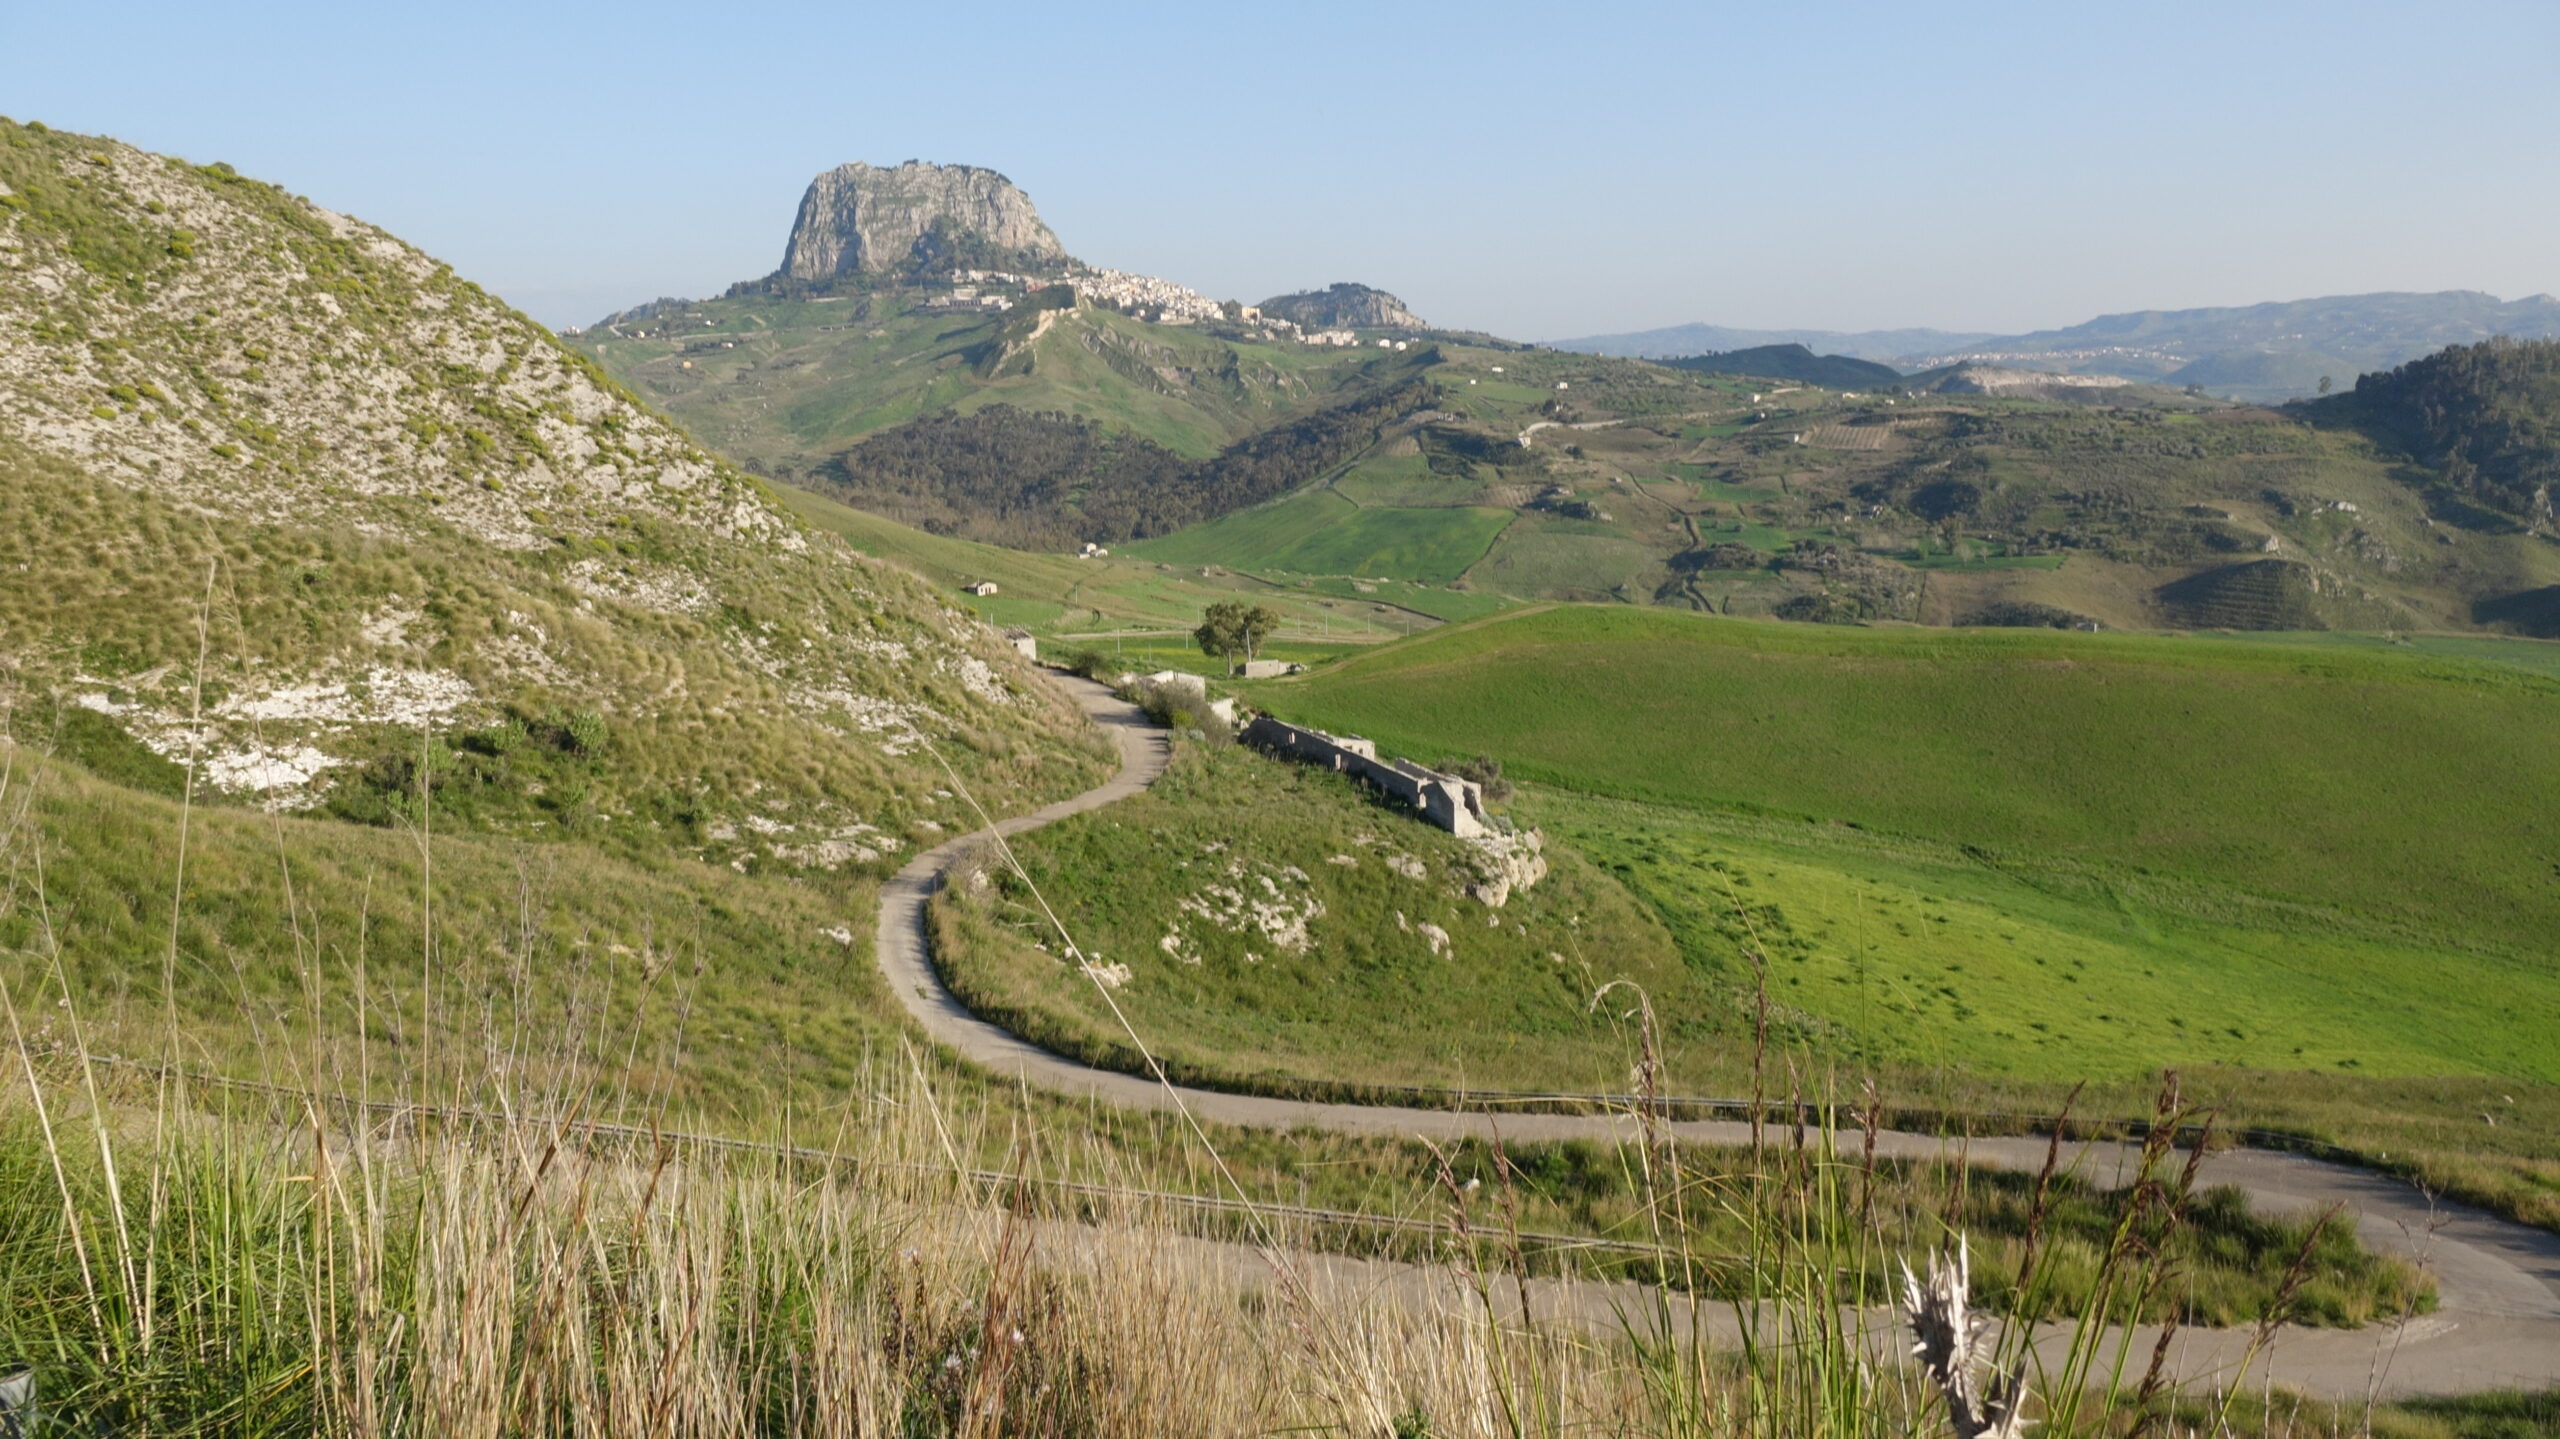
1535 170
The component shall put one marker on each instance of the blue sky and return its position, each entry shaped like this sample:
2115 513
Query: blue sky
1535 170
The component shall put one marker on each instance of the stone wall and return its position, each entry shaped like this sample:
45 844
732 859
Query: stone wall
1454 804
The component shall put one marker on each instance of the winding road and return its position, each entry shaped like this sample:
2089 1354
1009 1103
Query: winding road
2497 1324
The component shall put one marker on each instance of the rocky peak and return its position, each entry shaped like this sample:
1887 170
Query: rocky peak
1343 307
860 219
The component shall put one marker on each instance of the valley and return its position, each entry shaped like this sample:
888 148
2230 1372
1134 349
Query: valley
762 740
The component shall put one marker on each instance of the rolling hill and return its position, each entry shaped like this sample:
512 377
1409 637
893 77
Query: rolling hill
1792 362
2101 849
928 310
2275 351
1048 411
319 549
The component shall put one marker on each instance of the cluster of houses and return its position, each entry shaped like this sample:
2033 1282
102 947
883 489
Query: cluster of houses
1156 301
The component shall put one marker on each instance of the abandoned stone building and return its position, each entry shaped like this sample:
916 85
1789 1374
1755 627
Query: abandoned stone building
1454 804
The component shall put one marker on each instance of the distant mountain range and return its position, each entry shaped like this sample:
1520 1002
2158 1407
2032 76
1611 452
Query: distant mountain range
2263 352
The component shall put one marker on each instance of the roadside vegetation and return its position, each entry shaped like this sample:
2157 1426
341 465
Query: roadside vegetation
448 1184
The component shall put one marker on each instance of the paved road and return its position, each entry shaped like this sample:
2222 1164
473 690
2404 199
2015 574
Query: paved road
2498 1283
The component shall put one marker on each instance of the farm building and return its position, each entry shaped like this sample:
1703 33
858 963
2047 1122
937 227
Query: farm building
1453 804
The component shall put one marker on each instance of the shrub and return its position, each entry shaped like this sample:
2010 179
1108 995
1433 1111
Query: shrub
586 732
1485 770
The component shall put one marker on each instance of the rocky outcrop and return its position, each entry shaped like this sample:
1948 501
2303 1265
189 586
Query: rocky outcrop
1343 307
859 219
1506 860
1969 379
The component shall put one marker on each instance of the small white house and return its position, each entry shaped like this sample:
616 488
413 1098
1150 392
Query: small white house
1024 642
982 588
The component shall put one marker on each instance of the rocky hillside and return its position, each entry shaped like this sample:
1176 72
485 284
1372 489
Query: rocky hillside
424 548
1343 307
861 220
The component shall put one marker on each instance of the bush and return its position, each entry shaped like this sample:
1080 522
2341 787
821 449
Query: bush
1485 770
1091 663
586 732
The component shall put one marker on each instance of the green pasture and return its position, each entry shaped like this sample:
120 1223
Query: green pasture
2388 796
1912 956
1434 545
1247 539
1269 916
1320 532
1056 594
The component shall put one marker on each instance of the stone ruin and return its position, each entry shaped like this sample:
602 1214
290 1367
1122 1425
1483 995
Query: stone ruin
1454 804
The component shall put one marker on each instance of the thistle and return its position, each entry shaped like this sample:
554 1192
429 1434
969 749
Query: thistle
1951 1343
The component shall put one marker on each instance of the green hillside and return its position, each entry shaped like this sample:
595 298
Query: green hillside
784 382
2485 419
1641 484
319 550
2276 815
1793 362
1320 532
1140 605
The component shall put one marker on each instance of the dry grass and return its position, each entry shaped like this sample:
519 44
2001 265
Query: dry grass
183 1257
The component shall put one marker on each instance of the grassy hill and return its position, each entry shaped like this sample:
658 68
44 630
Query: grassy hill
786 382
2343 828
2132 508
1268 927
1792 362
308 526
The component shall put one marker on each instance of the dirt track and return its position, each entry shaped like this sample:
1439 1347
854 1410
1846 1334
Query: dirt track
2498 1283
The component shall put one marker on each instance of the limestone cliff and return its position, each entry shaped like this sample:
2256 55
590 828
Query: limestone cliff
859 219
1343 307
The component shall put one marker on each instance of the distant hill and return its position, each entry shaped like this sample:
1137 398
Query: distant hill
1793 362
1048 481
928 350
2267 352
1343 307
1675 341
2485 418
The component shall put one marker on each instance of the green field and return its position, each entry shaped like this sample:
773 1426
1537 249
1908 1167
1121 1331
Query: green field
2344 849
1058 595
1432 546
1248 538
1319 532
1919 957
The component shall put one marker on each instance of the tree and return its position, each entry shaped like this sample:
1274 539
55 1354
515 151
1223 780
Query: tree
2327 384
1230 628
